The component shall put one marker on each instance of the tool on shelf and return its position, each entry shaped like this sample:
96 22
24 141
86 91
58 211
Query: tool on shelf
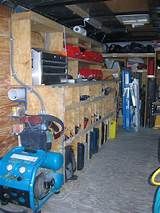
48 68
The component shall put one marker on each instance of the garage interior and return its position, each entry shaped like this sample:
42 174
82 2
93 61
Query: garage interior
79 106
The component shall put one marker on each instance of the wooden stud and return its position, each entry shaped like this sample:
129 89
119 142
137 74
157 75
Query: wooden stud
21 30
7 140
73 68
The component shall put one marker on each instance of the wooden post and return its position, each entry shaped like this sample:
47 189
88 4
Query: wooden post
7 140
21 31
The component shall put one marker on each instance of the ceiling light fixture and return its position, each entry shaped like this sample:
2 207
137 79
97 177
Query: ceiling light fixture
134 19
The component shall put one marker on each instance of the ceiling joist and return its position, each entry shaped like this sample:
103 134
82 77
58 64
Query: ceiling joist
72 13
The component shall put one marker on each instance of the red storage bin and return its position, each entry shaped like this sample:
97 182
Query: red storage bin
81 53
91 73
89 56
99 57
73 51
93 56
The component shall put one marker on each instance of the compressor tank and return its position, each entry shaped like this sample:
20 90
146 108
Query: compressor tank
53 161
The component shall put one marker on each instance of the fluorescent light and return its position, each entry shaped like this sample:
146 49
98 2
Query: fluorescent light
142 20
129 21
134 19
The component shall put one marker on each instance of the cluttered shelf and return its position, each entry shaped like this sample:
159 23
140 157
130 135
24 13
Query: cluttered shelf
80 83
136 62
84 131
82 66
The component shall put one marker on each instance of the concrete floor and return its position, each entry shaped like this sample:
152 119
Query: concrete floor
115 180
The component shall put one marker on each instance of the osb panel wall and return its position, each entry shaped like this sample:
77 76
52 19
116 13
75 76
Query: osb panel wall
6 139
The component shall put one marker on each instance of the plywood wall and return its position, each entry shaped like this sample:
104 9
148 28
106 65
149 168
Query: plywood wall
6 138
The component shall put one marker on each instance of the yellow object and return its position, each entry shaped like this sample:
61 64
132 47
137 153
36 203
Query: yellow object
112 129
157 122
154 176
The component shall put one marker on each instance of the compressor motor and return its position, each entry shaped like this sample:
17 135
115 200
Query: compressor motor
29 173
40 131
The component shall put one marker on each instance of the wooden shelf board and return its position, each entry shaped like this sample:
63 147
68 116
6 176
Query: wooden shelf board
79 84
85 61
140 71
128 55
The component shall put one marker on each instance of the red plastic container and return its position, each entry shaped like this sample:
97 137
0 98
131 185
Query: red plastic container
91 73
81 53
73 51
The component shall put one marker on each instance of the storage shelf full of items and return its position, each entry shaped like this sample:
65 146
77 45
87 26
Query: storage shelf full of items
143 67
83 106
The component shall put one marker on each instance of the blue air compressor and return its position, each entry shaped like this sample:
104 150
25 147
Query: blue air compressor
30 174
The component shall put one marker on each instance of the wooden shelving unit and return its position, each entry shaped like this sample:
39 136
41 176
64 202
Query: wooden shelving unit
85 61
126 56
74 64
62 100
